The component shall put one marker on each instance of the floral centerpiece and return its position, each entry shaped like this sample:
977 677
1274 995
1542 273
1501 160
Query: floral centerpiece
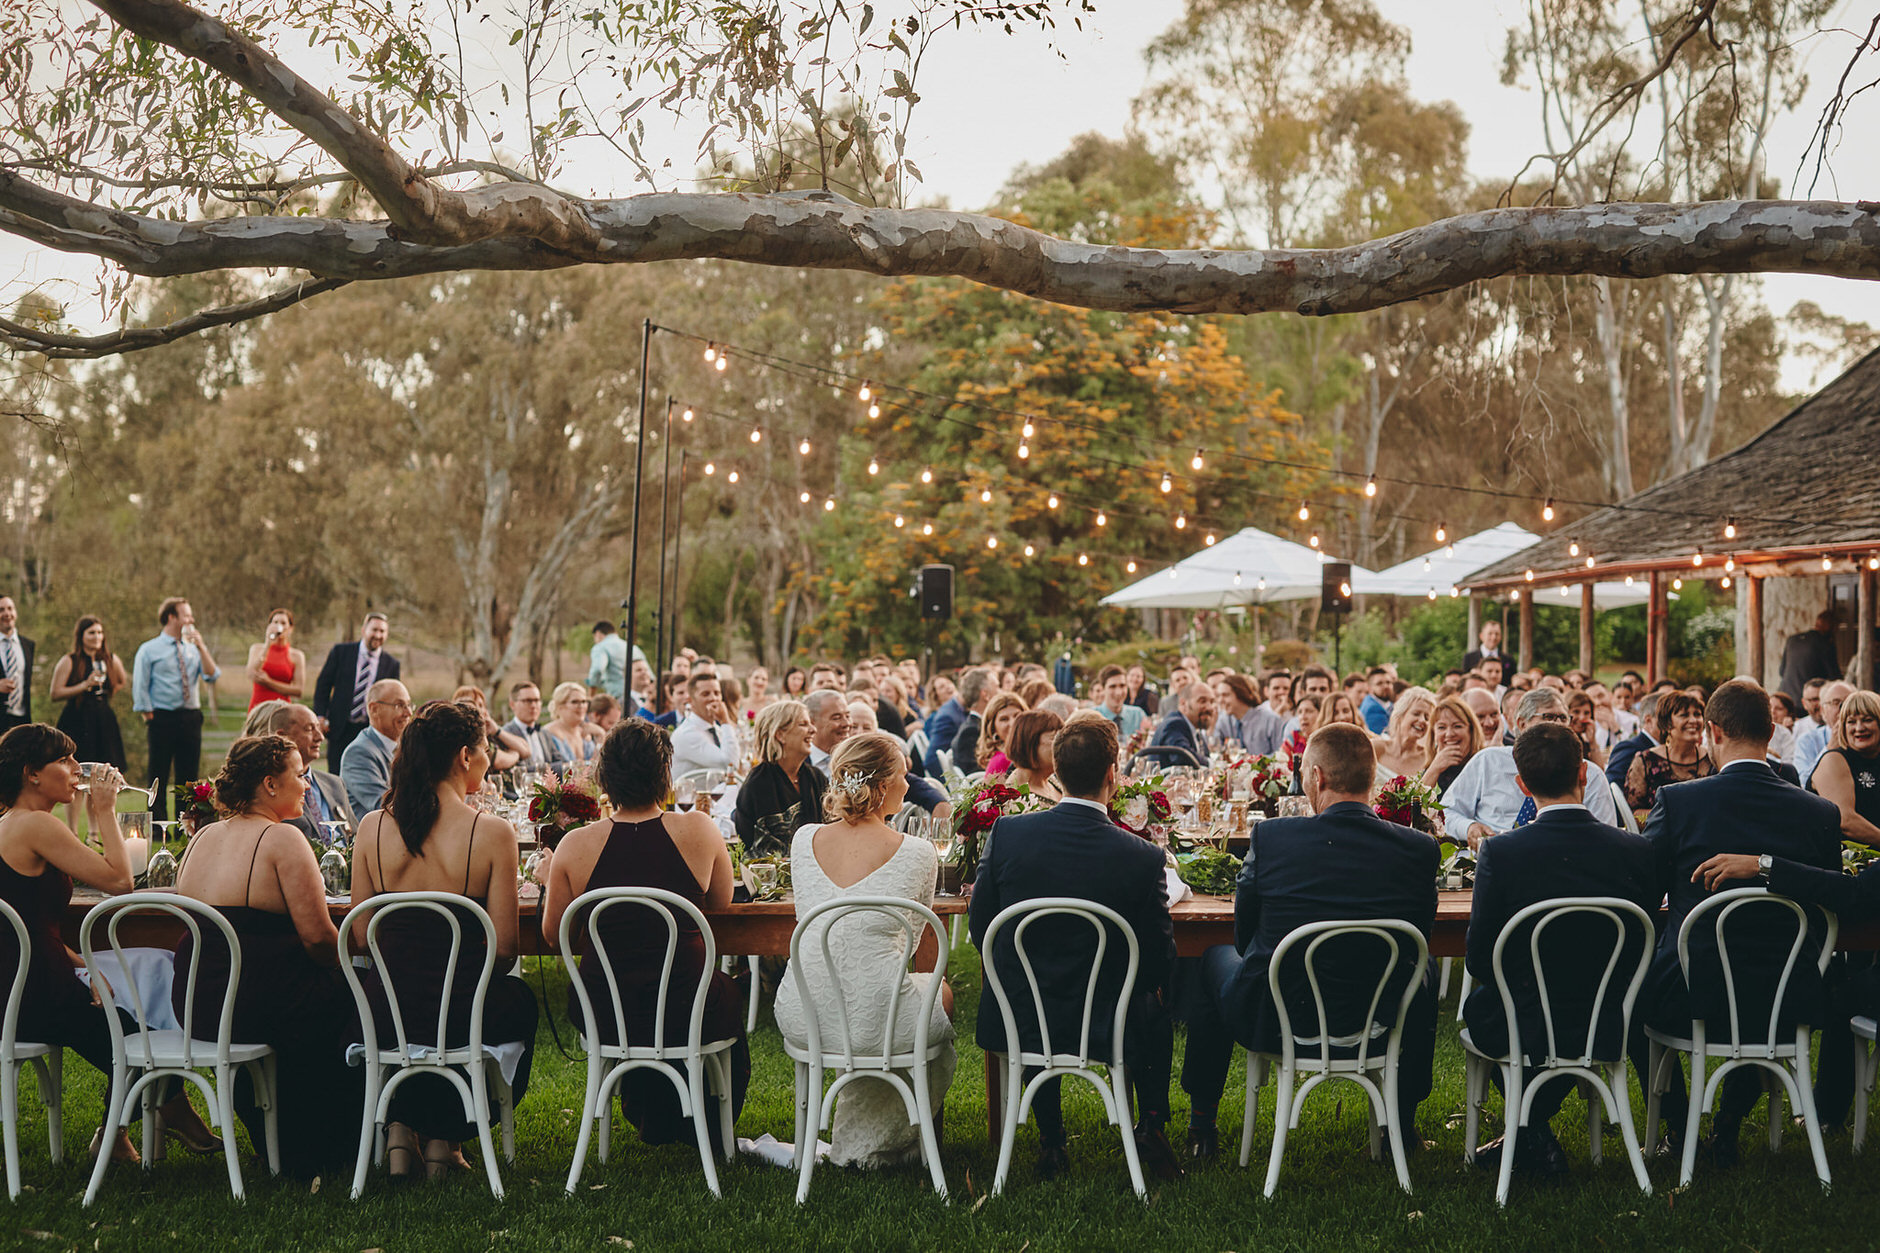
1411 804
561 803
195 804
1141 806
1267 778
976 807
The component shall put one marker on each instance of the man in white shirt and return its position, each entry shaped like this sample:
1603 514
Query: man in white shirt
16 670
829 716
1490 639
1810 746
699 742
1486 798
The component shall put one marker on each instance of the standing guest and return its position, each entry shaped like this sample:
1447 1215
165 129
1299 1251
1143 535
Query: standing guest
640 845
830 715
1849 773
1185 727
1810 655
858 852
339 694
1487 716
256 866
783 789
1031 745
366 767
1345 862
1375 708
1454 737
989 752
1111 693
1141 695
84 679
325 799
1678 756
1582 720
568 708
1811 745
505 750
1490 646
1073 849
699 743
795 682
1403 749
1565 851
607 661
165 676
39 858
1486 798
671 699
758 681
525 723
1620 759
977 688
276 668
429 838
16 669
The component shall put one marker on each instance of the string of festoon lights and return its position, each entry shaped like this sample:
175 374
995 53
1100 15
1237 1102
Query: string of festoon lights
878 398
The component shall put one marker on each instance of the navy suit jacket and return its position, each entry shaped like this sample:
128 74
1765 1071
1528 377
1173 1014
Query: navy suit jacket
942 725
1622 754
1741 809
333 690
1346 863
1177 732
1853 898
1563 852
1069 850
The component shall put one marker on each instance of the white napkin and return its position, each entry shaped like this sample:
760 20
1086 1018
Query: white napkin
774 1151
151 970
1178 891
508 1056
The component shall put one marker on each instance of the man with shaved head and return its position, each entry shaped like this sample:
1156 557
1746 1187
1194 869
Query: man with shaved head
366 765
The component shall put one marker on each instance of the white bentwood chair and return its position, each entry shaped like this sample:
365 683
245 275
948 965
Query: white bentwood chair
141 1062
707 1062
47 1062
407 1060
1602 1079
1627 818
831 1046
1784 1061
1056 1062
1365 1067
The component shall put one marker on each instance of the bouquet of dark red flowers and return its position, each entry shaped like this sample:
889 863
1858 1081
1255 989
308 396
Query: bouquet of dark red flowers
195 804
1411 804
976 808
1140 806
563 803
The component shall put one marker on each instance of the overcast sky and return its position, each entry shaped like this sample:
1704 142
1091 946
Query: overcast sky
992 102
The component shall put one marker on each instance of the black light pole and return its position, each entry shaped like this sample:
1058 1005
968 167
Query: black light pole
665 488
632 603
678 547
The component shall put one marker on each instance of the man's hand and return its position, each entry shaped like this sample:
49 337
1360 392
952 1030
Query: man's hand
8 685
1477 833
1726 866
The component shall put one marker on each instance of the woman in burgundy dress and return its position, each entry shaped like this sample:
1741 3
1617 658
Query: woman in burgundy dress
641 845
39 858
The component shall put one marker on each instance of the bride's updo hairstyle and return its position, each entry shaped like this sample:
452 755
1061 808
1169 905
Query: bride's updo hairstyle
427 753
251 762
635 764
30 747
859 773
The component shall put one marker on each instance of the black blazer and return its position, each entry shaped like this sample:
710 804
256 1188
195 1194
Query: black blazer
1853 898
1741 809
1346 863
27 649
1069 850
1473 658
1177 732
966 745
1563 852
1622 754
332 691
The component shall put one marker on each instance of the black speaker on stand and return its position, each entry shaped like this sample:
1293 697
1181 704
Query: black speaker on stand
935 589
1335 599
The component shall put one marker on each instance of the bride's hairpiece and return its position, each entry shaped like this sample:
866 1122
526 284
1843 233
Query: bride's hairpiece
854 785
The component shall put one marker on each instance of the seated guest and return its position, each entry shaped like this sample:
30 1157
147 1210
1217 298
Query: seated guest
996 724
1339 707
1345 862
829 714
640 845
1486 799
1678 756
525 723
1582 720
1454 737
260 872
1306 717
671 697
567 724
944 722
1030 744
1565 851
1073 849
1849 772
603 712
857 852
1263 729
1236 702
783 789
1783 709
698 743
1374 711
505 749
977 688
366 765
1111 694
1811 744
1487 716
1402 749
1187 725
1742 808
39 858
1619 760
429 838
326 795
1142 693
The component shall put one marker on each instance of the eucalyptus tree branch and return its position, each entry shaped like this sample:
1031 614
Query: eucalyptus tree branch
22 338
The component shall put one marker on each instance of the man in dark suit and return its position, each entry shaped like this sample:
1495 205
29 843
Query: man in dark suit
1184 726
1344 863
1810 655
1490 647
1564 851
1744 808
977 688
16 670
339 694
1625 750
1073 849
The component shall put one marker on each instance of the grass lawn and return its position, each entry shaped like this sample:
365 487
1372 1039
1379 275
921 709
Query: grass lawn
1331 1195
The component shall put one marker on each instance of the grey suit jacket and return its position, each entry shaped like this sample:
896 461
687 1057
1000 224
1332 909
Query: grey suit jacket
333 792
366 770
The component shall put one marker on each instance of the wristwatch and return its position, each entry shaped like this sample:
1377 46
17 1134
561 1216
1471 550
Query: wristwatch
1763 865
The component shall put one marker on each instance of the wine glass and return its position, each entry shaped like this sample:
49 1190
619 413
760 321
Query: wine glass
764 877
336 870
685 794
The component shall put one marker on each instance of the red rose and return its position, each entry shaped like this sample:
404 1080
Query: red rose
539 809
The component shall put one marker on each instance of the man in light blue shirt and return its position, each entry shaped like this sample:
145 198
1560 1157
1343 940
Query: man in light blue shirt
1486 800
1112 693
165 675
1375 709
1814 742
607 662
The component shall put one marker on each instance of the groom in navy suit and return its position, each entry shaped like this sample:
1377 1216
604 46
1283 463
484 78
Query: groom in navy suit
1345 863
1186 724
1073 849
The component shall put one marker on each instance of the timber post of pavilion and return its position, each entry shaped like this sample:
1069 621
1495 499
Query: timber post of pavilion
1791 519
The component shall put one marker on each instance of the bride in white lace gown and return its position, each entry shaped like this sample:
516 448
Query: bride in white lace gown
859 854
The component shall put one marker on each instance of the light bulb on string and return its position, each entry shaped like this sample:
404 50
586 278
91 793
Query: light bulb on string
874 411
1729 528
803 448
686 416
711 351
1547 510
1628 580
1564 589
710 468
1181 521
992 541
1426 564
899 521
1827 562
1195 462
1027 430
1454 591
1208 539
1236 578
1083 559
926 528
874 467
1024 451
985 495
1726 583
1589 561
731 477
1432 593
1449 551
865 392
1442 532
1677 585
1573 548
1344 588
720 364
757 436
1729 563
1305 511
1262 583
829 504
1103 519
926 474
1130 565
1530 576
1030 551
1314 540
1370 486
1873 562
1697 561
1168 484
1051 501
803 497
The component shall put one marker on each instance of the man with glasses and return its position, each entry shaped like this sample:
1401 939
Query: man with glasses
1486 798
525 723
366 765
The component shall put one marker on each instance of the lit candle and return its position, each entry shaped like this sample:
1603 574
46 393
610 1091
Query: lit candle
137 848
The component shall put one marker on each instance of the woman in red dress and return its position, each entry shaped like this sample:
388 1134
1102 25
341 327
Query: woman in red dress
276 668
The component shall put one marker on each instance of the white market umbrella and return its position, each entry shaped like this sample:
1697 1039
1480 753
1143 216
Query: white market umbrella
1443 568
1249 567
